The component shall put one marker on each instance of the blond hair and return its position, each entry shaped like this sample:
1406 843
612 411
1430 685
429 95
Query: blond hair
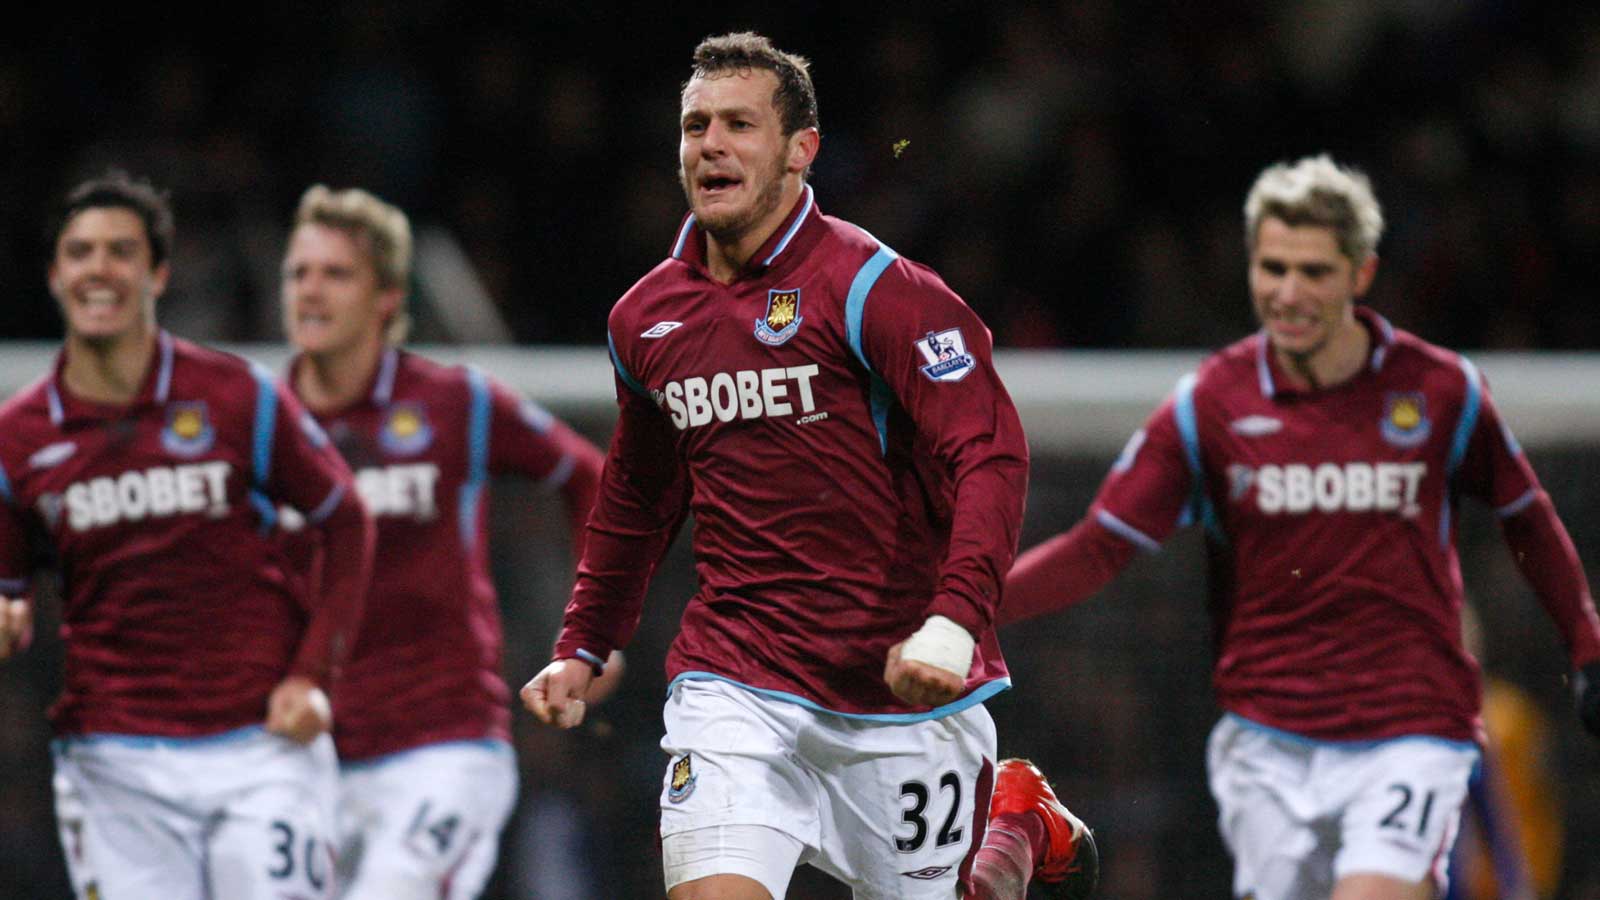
1317 191
380 227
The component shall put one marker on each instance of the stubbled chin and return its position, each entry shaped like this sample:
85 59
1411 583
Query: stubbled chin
100 323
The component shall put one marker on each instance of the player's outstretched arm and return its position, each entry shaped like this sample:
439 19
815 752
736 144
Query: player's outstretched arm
16 626
1064 570
555 695
349 541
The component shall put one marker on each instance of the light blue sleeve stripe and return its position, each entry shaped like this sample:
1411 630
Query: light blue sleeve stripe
266 509
1518 505
979 694
327 506
855 309
1459 441
855 302
1189 433
266 421
1444 520
879 399
5 485
1469 419
477 454
1127 532
627 378
1188 430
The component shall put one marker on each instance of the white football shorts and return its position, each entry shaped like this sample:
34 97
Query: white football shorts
1299 814
424 824
756 785
244 814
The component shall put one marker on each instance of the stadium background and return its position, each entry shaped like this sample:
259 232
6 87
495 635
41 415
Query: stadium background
1074 170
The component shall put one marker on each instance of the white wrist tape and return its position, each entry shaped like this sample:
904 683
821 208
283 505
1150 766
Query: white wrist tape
941 642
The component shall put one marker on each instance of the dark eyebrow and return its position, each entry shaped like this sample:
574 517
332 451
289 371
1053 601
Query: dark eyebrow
728 112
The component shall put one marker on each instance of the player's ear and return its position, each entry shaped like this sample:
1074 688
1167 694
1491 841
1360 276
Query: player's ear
803 146
1367 271
389 301
159 276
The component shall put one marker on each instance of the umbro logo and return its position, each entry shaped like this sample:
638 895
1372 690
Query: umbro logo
659 329
928 874
53 455
1256 426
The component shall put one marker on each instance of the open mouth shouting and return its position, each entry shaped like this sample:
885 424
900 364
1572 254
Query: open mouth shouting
717 185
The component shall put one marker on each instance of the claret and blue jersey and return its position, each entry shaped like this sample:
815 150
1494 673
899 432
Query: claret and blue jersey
424 440
853 464
1331 515
180 614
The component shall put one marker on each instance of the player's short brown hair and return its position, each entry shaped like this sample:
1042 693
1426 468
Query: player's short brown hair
1317 191
795 98
380 227
117 189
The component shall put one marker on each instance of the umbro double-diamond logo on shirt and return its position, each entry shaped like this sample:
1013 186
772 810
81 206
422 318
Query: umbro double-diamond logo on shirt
659 329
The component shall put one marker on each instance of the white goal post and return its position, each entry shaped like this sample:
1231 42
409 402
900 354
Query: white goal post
1072 402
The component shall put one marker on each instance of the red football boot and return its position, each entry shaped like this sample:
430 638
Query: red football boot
1071 866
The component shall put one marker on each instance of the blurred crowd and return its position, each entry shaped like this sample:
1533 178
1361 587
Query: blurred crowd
1074 169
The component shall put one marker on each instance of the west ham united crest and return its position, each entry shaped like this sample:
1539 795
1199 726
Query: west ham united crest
782 319
188 431
405 430
683 777
947 356
1405 419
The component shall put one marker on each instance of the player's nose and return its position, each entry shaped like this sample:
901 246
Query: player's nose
99 262
1290 289
713 140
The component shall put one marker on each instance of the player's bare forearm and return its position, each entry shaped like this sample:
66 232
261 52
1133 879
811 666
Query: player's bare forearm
16 626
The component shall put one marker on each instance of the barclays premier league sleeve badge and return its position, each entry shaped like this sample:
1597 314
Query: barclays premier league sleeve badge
947 356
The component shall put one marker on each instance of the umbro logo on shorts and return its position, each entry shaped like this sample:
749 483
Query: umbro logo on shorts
659 329
928 874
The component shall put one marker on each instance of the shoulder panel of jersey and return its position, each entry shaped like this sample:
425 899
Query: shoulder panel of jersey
1223 370
24 423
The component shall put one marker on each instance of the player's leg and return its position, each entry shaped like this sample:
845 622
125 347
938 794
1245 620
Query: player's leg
905 805
756 848
1282 845
1401 817
1033 838
122 834
1366 886
425 823
737 812
271 831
